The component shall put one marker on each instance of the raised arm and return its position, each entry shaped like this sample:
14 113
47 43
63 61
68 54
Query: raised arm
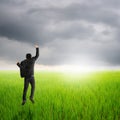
37 52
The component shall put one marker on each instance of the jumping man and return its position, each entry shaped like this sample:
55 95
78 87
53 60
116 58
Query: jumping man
27 72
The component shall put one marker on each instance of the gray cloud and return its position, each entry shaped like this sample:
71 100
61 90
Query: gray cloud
67 31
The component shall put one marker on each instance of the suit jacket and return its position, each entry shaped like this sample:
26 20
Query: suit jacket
27 65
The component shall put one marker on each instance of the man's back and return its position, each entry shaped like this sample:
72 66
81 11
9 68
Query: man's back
27 65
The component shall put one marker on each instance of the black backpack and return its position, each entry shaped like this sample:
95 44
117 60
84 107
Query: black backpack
23 69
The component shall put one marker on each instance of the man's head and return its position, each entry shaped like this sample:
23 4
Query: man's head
28 56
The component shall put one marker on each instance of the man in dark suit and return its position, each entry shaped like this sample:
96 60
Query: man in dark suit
27 71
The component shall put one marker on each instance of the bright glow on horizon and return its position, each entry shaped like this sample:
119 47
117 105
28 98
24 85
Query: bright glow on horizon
83 68
75 68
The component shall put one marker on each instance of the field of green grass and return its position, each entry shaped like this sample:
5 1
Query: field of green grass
60 96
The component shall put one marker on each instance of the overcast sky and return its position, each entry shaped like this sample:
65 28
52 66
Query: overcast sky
67 31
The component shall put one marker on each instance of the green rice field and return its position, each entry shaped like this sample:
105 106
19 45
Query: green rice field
62 96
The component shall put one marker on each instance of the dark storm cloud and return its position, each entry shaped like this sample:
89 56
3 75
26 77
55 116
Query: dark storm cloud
17 27
29 24
65 31
11 2
89 12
